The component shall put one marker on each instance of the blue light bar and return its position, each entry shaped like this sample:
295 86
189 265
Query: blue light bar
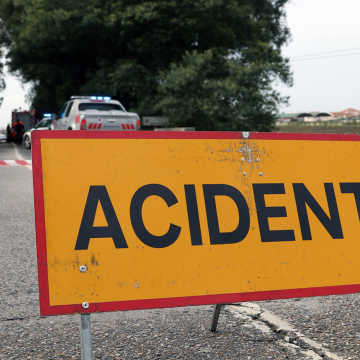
47 115
107 98
93 97
100 98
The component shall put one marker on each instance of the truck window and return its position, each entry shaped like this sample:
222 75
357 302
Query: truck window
40 124
61 113
69 109
99 106
44 123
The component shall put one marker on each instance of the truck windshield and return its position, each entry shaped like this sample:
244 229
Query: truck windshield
44 123
61 112
99 106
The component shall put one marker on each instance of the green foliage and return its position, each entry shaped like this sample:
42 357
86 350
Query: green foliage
205 63
2 81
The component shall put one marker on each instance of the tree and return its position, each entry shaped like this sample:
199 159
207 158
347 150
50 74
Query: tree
2 81
205 63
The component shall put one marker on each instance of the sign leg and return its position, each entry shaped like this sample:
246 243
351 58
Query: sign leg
85 336
215 317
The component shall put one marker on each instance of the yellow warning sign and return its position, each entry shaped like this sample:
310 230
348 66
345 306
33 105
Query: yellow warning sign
154 218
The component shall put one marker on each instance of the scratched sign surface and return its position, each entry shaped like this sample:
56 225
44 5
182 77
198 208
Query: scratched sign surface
174 219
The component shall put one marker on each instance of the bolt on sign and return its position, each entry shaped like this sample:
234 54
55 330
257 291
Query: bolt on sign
160 219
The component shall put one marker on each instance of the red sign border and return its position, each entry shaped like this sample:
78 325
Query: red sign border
46 309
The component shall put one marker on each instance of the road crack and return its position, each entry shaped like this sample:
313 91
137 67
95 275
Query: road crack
291 339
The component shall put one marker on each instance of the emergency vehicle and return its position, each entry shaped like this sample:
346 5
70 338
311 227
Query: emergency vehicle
27 119
44 124
95 113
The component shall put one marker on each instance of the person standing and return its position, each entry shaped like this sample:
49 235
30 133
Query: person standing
8 133
19 129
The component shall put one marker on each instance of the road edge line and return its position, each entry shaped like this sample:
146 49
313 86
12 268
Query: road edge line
19 157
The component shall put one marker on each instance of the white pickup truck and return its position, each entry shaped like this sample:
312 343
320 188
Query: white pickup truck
95 113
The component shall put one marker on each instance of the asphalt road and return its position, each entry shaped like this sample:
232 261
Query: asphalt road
315 328
14 152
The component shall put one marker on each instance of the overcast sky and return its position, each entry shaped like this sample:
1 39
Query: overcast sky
317 26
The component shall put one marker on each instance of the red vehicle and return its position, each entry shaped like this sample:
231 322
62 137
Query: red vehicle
25 118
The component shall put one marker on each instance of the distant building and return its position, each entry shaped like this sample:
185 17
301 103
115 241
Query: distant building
312 116
323 116
304 116
346 114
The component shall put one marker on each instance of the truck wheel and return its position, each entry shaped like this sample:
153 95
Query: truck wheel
69 128
27 142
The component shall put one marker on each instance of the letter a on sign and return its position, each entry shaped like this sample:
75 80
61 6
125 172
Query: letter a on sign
99 194
193 218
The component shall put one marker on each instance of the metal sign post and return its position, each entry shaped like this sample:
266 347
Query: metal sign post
85 337
215 317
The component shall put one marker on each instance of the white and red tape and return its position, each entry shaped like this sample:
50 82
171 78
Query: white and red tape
15 162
